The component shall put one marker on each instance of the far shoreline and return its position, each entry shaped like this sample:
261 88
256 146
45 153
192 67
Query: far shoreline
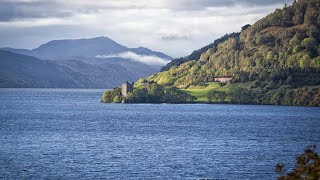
203 103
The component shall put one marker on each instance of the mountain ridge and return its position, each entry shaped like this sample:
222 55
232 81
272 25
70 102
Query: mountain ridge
85 47
78 56
21 71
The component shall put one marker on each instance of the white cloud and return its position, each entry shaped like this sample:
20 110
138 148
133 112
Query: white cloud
145 59
173 27
35 22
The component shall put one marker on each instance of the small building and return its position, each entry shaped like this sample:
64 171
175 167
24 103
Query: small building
126 88
223 79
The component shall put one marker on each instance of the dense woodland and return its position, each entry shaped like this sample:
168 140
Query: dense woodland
197 53
274 61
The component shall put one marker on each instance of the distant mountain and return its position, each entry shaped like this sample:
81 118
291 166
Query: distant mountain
19 71
58 49
18 51
70 48
109 72
26 71
93 63
146 51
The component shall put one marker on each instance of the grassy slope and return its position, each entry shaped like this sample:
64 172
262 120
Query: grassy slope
201 92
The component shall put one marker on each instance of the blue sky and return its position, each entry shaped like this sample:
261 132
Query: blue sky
175 27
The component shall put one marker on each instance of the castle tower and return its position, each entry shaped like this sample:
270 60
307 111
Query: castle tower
126 87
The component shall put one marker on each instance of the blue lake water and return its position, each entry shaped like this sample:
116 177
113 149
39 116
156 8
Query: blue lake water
69 134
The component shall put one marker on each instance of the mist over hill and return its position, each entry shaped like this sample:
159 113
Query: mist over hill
93 63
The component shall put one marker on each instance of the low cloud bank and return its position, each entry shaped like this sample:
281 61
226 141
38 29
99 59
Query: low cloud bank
145 59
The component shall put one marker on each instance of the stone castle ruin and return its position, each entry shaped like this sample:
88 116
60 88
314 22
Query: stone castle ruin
126 88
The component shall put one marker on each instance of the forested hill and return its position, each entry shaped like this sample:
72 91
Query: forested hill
195 55
277 60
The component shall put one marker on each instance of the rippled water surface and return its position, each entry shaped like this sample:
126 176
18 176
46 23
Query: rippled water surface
69 134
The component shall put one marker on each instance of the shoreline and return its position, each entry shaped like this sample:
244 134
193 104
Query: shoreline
204 103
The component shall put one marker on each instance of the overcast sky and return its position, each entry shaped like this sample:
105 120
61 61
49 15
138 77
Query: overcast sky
175 27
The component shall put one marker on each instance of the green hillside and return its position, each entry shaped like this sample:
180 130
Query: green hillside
197 53
274 61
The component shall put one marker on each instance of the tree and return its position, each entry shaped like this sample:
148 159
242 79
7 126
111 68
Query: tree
307 166
317 62
140 95
117 99
299 14
107 97
216 96
309 43
311 14
175 95
305 61
241 96
156 93
245 27
130 97
270 56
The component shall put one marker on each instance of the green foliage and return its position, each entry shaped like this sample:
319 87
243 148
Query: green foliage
307 167
106 97
140 95
306 97
165 79
317 62
268 39
309 43
281 96
156 93
151 93
112 96
216 96
242 96
197 54
304 62
130 97
174 95
245 27
117 99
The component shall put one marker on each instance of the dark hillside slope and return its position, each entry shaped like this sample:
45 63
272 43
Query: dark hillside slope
20 71
25 71
79 57
108 73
